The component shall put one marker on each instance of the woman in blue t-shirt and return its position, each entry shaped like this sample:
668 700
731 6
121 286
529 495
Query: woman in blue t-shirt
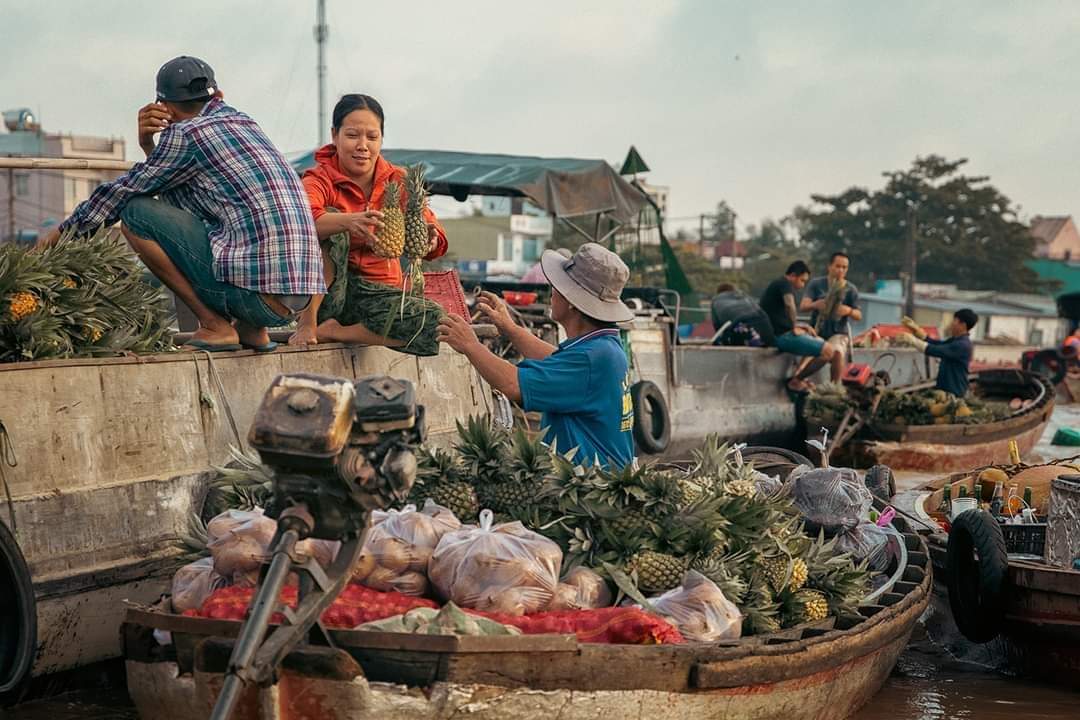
582 387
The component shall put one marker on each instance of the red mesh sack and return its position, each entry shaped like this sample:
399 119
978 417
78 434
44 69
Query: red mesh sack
356 605
616 625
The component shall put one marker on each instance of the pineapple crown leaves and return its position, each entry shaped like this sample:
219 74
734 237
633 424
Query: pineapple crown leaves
392 195
416 186
482 447
530 459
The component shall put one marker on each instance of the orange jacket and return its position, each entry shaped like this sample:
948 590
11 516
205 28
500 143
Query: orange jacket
328 187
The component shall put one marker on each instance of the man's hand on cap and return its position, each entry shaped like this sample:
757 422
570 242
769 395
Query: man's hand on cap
153 118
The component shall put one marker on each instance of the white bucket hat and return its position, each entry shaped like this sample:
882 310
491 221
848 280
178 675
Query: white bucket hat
591 280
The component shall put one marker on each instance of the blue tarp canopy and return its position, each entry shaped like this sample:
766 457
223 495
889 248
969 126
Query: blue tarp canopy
564 187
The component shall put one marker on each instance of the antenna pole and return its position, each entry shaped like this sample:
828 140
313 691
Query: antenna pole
322 30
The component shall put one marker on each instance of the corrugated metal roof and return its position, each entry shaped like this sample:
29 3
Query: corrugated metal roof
981 307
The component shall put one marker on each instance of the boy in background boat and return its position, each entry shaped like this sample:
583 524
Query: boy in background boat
832 301
779 301
954 353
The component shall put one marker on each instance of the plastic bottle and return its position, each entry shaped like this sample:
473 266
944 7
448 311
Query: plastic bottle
1027 496
963 491
945 508
997 501
1013 504
978 493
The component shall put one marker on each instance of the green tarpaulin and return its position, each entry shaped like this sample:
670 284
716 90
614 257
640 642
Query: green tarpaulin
564 187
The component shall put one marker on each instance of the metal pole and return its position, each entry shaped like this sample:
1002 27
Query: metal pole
322 30
11 203
909 295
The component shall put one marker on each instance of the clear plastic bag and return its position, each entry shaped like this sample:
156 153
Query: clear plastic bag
193 583
398 546
498 568
867 541
699 610
832 499
767 485
581 589
239 541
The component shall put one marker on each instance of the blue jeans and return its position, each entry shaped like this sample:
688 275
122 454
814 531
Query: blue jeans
806 345
184 239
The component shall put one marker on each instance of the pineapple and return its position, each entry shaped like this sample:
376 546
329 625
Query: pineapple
517 494
657 572
808 606
459 497
783 574
390 240
483 448
416 229
22 303
438 476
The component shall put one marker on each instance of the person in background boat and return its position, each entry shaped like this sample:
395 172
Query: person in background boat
582 386
1072 342
364 302
779 303
955 352
832 301
747 325
230 231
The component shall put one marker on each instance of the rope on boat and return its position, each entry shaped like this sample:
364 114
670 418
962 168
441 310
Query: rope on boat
901 566
215 378
7 457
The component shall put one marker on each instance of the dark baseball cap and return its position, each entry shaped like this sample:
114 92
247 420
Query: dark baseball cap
185 78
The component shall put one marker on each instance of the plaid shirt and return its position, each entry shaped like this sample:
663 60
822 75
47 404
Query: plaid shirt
220 167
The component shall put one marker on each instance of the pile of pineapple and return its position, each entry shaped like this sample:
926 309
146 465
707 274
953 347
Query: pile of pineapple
651 524
404 231
641 528
828 402
79 298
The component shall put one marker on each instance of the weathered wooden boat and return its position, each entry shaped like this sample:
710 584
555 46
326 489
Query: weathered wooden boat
105 460
1036 630
818 671
948 448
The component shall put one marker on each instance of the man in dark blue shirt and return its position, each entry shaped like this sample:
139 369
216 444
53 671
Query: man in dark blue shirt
955 353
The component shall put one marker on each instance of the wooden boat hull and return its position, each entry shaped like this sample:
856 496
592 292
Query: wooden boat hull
812 673
1040 632
946 457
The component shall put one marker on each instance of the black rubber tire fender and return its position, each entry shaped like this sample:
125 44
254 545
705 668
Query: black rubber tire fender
1051 364
774 460
879 477
652 421
976 574
18 618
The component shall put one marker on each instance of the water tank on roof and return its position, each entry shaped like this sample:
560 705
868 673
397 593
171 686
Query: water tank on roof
20 119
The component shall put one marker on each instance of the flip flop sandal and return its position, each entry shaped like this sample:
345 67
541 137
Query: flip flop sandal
268 347
209 347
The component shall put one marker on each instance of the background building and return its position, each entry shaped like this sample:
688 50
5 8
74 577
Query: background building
34 200
1056 237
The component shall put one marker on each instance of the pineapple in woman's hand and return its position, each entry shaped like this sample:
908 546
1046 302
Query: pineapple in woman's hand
390 240
417 234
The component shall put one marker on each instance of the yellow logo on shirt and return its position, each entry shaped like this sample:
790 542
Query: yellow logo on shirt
627 406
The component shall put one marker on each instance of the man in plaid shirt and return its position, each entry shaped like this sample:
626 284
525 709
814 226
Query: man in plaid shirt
232 233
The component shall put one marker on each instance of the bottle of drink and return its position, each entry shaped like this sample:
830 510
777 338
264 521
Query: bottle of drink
1014 452
1027 496
997 501
945 508
978 493
963 491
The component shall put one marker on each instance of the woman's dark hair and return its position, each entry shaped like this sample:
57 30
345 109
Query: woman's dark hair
353 102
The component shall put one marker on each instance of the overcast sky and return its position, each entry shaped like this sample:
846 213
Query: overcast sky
758 103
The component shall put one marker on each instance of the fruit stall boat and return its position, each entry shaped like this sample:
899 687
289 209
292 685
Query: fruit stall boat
819 670
950 446
998 590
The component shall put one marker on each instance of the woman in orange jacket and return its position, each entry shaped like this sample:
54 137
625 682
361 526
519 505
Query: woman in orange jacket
363 303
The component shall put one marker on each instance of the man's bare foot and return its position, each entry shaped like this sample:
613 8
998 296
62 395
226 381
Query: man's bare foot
797 385
221 335
304 335
252 336
329 331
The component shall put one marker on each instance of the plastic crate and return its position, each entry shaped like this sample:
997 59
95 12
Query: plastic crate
445 288
1029 538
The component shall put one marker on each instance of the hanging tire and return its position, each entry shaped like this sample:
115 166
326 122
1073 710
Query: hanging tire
1051 364
652 422
976 570
18 618
775 455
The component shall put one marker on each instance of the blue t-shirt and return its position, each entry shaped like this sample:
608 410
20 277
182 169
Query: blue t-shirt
955 355
583 390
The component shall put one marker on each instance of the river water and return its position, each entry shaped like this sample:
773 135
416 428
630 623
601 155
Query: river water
927 684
